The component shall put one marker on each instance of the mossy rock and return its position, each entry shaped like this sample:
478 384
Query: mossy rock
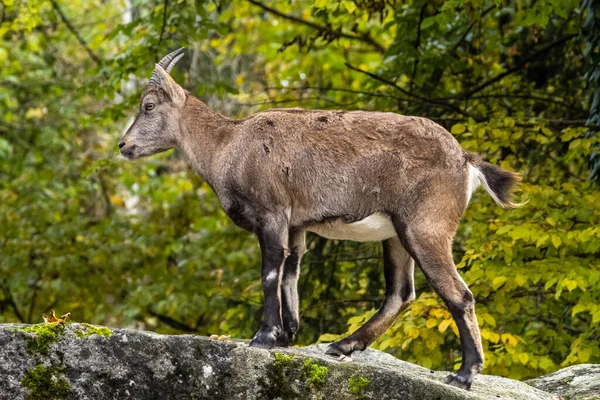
45 383
41 336
75 361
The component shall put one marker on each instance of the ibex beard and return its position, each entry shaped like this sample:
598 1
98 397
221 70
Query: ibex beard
362 176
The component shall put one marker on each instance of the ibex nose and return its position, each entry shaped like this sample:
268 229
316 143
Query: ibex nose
121 145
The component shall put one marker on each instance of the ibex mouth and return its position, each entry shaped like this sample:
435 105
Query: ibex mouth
127 151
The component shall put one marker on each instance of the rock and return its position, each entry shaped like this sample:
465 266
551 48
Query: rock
80 361
579 382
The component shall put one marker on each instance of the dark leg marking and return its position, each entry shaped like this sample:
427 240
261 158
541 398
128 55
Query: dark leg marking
399 294
273 239
289 288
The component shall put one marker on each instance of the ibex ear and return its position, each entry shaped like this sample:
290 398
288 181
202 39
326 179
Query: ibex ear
168 84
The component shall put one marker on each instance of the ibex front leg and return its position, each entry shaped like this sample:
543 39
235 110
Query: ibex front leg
273 239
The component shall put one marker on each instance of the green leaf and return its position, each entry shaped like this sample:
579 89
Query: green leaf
458 129
498 281
350 6
556 241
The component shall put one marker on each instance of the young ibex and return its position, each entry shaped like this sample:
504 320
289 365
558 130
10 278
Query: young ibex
359 176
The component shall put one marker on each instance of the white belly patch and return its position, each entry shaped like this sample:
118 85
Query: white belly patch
376 227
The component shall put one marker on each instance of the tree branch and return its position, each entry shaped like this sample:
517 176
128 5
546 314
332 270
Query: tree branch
366 38
71 28
417 44
434 101
466 32
517 67
164 22
11 301
172 322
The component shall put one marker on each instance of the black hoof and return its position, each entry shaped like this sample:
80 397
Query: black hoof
462 382
265 338
284 339
341 349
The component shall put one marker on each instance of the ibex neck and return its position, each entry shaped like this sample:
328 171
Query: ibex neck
204 134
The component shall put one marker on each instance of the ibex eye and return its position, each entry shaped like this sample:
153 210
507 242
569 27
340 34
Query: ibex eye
149 106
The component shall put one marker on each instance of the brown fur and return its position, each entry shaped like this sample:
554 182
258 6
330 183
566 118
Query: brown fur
282 171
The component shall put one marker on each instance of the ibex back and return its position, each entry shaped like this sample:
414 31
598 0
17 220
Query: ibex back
358 176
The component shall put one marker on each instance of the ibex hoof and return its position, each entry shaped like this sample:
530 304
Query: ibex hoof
340 350
463 382
265 338
284 339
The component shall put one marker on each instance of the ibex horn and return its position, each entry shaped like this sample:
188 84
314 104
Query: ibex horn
167 63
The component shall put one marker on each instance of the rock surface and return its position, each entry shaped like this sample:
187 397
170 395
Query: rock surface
579 382
79 361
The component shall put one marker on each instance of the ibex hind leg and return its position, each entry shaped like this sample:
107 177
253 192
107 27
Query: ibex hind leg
289 289
428 238
399 293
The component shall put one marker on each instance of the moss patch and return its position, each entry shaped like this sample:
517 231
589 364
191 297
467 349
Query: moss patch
93 330
45 383
279 378
357 385
45 335
314 374
291 377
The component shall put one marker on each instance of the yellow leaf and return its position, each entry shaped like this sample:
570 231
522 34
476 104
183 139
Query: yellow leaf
490 336
117 201
556 241
509 339
444 325
414 333
320 3
523 357
34 113
431 323
551 221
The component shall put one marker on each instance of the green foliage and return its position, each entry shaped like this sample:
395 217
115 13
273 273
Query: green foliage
147 245
45 383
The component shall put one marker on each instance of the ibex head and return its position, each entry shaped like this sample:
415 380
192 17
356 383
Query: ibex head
156 126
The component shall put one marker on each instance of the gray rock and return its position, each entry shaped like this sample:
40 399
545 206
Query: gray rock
579 382
74 362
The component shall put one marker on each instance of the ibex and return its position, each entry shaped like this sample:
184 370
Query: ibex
362 176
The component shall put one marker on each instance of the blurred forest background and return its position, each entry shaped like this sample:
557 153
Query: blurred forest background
146 244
